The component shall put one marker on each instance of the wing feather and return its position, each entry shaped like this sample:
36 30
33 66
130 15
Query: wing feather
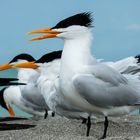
105 87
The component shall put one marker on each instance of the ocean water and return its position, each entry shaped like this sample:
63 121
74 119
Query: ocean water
3 113
13 74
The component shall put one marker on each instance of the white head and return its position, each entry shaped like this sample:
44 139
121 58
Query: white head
17 59
73 32
47 61
70 28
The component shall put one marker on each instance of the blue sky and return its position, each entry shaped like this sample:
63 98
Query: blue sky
116 32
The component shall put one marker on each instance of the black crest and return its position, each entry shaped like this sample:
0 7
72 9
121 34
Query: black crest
138 58
82 19
23 56
50 57
2 101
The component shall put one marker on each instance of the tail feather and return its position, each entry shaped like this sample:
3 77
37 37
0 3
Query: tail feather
134 81
9 82
124 66
7 79
138 58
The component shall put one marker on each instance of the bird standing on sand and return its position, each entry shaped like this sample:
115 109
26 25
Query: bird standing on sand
87 84
22 96
7 82
47 82
49 73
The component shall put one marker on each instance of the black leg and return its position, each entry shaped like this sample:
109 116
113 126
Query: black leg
84 121
53 114
88 126
105 128
46 114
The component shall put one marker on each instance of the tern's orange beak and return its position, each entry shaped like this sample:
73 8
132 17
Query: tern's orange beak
31 65
48 33
11 111
5 66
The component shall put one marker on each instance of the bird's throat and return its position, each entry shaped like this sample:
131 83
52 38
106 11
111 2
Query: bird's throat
76 52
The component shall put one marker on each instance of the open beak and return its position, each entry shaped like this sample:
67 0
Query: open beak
31 65
48 33
5 66
11 111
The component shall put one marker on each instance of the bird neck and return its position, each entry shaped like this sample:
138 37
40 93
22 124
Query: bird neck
24 74
76 53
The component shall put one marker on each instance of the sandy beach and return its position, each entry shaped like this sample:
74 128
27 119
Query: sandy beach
124 128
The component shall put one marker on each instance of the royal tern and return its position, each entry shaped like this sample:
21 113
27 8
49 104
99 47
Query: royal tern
7 82
49 73
48 76
24 94
90 85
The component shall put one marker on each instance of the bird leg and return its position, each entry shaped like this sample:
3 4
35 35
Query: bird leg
105 128
88 125
53 114
84 121
46 114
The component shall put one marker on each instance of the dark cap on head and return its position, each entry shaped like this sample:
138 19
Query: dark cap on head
82 19
23 56
50 57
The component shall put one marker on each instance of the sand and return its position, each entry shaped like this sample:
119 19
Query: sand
56 128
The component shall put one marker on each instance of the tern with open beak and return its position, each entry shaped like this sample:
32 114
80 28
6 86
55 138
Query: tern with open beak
86 83
26 97
49 73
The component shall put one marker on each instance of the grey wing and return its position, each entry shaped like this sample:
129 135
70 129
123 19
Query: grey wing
124 65
31 105
135 70
104 94
32 94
